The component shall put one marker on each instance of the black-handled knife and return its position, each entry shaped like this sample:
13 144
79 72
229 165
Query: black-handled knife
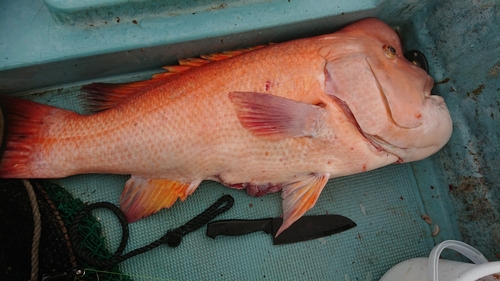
305 228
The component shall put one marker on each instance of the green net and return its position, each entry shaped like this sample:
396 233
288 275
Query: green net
90 231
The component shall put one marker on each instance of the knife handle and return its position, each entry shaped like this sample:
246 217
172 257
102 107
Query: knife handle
237 227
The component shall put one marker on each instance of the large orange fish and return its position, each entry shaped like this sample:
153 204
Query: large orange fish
282 117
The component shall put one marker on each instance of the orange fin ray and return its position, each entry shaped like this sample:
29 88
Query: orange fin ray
229 54
193 62
143 197
300 196
274 117
177 68
188 63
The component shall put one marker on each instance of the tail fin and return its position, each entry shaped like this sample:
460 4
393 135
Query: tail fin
22 133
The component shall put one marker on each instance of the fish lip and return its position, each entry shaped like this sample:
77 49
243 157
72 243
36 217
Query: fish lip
441 104
429 84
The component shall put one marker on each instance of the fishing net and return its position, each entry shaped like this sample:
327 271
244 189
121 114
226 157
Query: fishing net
55 259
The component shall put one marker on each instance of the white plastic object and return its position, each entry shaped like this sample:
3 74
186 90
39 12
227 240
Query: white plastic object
468 251
435 269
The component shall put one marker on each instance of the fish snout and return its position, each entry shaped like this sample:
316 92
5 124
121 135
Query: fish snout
439 101
434 132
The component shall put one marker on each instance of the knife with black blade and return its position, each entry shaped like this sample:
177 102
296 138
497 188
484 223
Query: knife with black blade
305 228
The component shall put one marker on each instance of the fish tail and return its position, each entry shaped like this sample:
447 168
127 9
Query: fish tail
21 129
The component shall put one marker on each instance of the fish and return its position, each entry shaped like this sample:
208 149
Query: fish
283 117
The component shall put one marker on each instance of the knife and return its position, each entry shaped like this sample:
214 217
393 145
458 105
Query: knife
305 228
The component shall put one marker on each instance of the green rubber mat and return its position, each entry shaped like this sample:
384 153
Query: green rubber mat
383 203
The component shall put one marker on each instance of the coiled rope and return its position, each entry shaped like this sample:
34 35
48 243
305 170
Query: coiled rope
37 230
172 238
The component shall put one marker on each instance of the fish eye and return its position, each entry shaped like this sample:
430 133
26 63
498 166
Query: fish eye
389 51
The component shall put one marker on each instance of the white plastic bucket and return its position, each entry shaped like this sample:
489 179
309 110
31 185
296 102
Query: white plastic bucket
435 269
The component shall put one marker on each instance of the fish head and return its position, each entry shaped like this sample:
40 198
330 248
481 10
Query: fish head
389 97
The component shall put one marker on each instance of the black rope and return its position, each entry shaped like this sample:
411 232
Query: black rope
172 238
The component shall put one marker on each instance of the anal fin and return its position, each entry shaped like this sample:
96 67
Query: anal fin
143 197
300 195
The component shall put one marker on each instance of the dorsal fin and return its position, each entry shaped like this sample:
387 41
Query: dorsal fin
102 96
185 64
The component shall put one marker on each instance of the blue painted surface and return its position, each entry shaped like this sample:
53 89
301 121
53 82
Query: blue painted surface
53 47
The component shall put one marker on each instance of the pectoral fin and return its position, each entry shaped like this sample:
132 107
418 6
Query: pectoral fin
275 117
143 197
300 196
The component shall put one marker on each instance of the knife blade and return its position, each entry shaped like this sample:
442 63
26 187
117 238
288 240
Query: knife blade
305 228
